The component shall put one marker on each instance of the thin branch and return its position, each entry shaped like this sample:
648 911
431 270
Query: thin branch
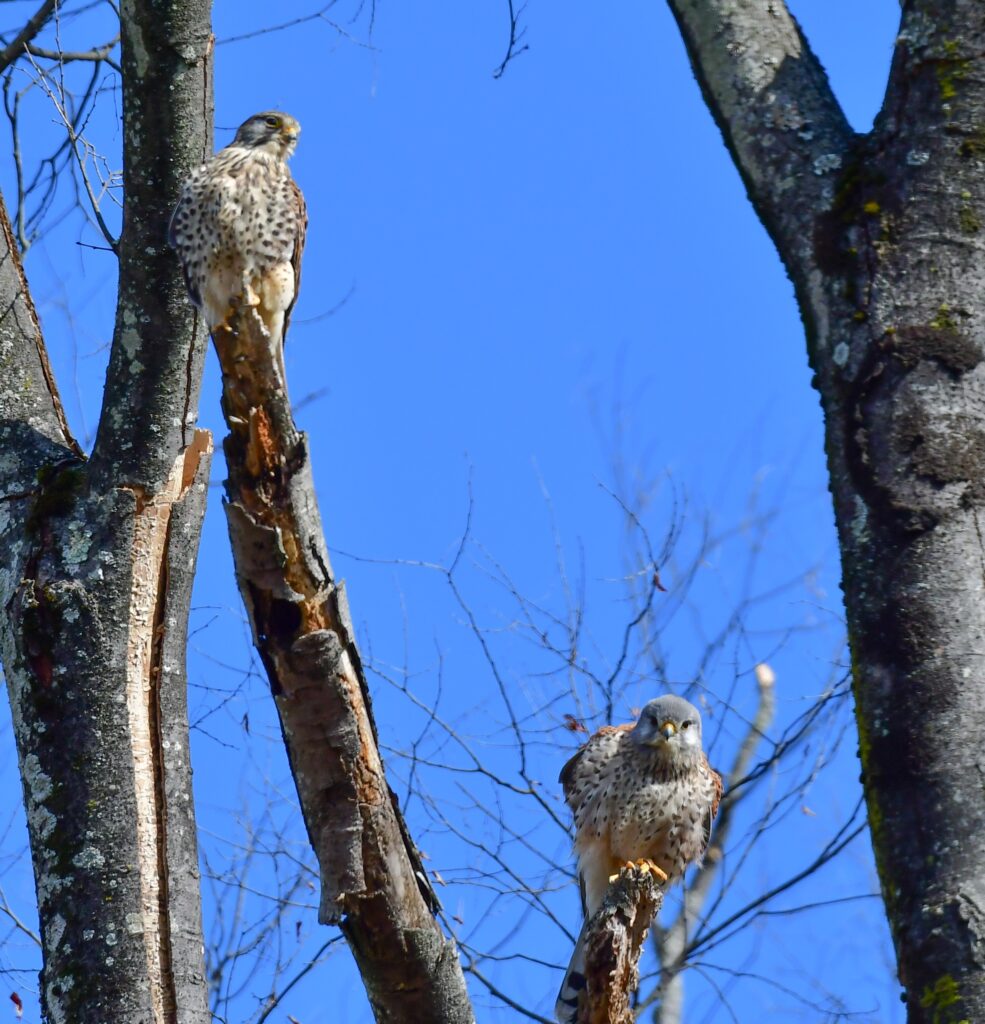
318 15
513 49
315 961
75 140
18 923
833 848
97 54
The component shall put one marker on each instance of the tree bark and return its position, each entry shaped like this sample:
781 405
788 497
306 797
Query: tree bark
881 235
95 582
613 945
372 880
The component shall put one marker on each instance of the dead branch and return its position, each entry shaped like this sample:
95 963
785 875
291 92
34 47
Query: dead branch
97 54
613 946
372 880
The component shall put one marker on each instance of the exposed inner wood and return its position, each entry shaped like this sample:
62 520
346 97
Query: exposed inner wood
294 597
148 588
373 882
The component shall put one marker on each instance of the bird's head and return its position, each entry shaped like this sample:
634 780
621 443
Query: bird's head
670 726
272 131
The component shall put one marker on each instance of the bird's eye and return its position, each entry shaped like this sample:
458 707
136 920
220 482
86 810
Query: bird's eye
686 724
272 122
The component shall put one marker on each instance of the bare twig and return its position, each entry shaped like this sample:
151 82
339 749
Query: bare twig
17 922
514 47
318 15
97 53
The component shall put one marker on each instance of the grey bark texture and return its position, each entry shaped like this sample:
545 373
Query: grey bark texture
373 883
96 565
882 237
155 367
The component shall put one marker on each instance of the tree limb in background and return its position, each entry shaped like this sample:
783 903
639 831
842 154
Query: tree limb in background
33 26
672 941
515 46
771 99
373 883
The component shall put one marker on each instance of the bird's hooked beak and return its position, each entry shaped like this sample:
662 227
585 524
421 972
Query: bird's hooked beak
667 729
289 132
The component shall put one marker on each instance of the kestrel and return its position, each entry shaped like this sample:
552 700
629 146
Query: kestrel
639 793
239 227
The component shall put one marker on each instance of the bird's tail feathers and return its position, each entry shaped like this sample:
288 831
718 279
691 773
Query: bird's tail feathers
566 1006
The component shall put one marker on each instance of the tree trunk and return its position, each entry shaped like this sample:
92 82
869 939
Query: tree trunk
881 237
96 570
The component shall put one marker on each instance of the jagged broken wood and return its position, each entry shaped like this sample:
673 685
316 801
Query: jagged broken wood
373 883
613 946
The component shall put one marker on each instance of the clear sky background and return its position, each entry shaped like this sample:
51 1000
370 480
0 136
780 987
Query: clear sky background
529 296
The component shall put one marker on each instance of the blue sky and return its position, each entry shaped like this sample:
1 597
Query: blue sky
546 292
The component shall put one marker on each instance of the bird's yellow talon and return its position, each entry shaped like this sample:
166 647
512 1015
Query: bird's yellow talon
649 867
643 866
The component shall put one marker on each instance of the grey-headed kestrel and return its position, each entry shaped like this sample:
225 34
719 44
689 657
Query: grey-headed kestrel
639 793
239 227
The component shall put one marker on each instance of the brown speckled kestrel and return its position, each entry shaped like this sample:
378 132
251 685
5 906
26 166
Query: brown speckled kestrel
239 227
639 793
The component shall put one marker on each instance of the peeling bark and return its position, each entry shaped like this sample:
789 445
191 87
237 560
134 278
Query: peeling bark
98 802
613 946
372 881
148 597
881 237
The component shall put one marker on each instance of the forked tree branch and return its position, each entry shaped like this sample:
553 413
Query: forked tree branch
880 236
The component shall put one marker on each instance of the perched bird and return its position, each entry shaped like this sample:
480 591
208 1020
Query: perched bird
641 794
239 227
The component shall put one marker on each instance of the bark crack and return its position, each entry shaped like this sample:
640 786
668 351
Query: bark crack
149 582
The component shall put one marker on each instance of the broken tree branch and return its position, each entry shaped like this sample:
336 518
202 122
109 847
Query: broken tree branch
613 946
372 881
